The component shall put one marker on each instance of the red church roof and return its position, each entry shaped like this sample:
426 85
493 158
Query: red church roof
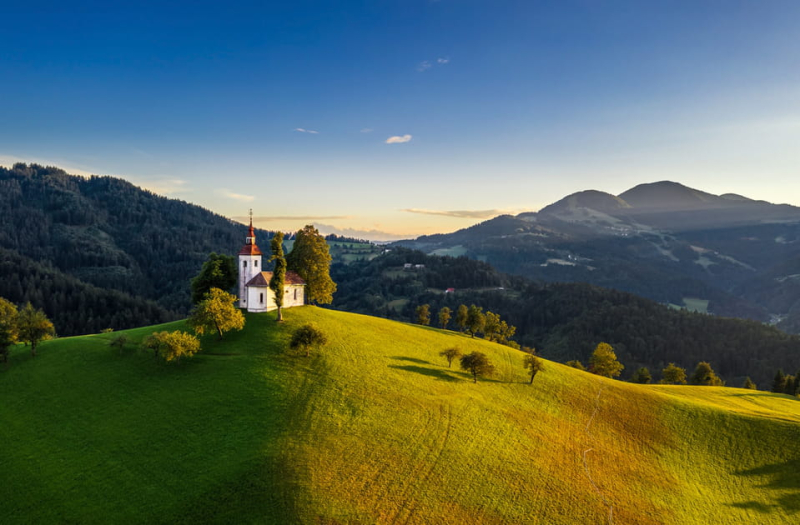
262 279
250 249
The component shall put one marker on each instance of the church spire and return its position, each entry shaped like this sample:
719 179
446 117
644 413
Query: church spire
250 247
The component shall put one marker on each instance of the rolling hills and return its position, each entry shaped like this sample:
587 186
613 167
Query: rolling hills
374 428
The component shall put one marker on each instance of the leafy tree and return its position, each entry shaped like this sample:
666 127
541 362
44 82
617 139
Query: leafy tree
461 317
576 364
748 384
218 271
642 376
491 325
444 317
306 337
34 326
705 375
450 354
172 345
278 280
423 313
476 320
672 374
779 383
505 334
311 259
604 361
216 312
533 364
8 327
178 344
477 364
119 341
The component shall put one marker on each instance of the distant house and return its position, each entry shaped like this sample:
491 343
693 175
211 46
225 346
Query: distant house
254 292
419 266
407 266
450 290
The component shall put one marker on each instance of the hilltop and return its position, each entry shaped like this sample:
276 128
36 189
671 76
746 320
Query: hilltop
376 429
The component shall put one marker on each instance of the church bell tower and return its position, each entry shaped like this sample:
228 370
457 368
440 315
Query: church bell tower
249 263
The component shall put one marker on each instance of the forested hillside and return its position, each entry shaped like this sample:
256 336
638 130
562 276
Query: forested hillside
62 232
565 321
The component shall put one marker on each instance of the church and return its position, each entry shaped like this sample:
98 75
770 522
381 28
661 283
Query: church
254 292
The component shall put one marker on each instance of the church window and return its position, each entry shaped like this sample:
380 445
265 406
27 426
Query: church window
295 294
255 263
261 297
244 264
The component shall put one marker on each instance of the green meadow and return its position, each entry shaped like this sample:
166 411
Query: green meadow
375 428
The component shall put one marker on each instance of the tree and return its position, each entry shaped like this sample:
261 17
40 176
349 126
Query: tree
311 259
790 385
172 345
642 376
423 313
477 364
8 327
34 326
218 271
306 337
748 384
533 364
178 344
450 354
704 375
475 320
278 280
491 325
216 312
461 317
576 364
604 361
119 341
444 317
779 383
672 374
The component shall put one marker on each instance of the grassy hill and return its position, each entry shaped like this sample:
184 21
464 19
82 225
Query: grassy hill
376 429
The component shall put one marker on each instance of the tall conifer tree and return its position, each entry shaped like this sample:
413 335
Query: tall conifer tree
278 280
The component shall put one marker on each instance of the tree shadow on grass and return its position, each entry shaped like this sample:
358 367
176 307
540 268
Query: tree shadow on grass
411 360
782 476
430 372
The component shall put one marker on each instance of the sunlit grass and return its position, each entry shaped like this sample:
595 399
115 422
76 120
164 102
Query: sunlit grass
374 428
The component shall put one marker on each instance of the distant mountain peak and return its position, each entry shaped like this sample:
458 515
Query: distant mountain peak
592 199
669 195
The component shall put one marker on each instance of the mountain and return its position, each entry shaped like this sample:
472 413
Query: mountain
61 235
724 254
375 428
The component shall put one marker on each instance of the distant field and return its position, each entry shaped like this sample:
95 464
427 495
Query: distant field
375 428
454 251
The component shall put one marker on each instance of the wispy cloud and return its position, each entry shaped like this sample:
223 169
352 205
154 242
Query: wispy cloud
427 64
302 130
367 130
271 218
398 139
236 196
463 214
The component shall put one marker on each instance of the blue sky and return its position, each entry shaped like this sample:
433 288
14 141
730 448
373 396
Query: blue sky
405 116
